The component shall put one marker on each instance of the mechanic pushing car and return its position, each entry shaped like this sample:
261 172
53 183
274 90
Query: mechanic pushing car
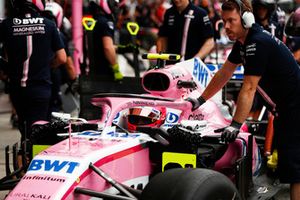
271 69
32 45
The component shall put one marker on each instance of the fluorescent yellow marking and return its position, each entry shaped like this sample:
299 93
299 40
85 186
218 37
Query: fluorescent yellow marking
163 56
133 28
183 159
88 23
36 149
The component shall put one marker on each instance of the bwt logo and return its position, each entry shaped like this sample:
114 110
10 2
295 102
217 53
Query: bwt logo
201 73
172 118
116 118
53 165
37 20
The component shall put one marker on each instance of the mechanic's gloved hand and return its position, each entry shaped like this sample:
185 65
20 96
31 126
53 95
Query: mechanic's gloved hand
73 86
117 74
196 103
230 133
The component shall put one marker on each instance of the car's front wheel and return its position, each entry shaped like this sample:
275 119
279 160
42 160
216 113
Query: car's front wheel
190 184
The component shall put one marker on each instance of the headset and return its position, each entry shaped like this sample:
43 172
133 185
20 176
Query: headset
246 16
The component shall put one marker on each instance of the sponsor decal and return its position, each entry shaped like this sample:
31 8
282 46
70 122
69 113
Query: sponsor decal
171 20
110 25
176 74
196 117
43 178
190 16
201 73
30 195
53 166
251 49
121 135
172 118
144 103
37 20
206 20
28 26
117 118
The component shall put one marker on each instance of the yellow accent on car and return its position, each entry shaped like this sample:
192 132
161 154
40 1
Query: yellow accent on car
185 160
162 56
36 149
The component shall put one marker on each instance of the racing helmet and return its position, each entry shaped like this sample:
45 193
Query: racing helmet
292 27
57 12
108 6
19 4
145 116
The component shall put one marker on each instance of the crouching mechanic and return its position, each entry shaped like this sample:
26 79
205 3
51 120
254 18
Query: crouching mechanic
269 65
32 44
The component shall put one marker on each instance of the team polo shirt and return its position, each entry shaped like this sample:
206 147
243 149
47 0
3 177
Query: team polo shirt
104 27
30 43
266 56
200 29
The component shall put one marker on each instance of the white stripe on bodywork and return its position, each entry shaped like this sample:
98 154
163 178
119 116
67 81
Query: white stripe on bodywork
26 63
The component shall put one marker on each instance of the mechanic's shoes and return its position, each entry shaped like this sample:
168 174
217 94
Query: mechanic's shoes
118 76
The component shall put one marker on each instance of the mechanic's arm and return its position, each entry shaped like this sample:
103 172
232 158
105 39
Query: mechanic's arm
111 55
70 68
297 55
161 44
219 80
109 50
245 98
60 58
206 48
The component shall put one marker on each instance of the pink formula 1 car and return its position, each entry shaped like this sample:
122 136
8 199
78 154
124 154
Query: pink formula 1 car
109 162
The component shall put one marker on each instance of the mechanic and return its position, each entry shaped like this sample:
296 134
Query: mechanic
104 52
292 31
270 66
199 40
266 16
64 73
32 44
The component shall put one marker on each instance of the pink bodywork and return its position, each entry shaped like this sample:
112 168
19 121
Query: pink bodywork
57 171
123 160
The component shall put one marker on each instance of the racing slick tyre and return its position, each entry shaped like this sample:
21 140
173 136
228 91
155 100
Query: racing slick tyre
190 184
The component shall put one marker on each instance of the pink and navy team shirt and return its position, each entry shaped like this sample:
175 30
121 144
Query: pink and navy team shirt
30 43
200 29
266 56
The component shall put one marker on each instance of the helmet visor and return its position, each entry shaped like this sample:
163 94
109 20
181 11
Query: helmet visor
140 120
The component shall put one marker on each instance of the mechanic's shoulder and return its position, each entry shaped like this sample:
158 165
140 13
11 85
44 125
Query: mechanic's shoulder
48 22
171 10
199 10
6 20
102 20
258 34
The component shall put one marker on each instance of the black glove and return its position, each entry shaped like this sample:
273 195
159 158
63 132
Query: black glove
73 86
230 132
196 103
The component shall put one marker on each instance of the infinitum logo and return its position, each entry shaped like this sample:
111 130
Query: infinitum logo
43 178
